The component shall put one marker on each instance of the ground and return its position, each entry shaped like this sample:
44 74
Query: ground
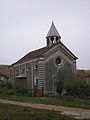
76 112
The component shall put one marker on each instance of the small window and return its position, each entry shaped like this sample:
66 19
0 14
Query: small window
28 68
35 67
17 72
22 71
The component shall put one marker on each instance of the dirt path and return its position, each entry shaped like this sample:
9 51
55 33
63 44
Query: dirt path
76 112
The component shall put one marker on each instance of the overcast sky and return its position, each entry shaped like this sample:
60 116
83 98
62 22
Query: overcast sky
24 25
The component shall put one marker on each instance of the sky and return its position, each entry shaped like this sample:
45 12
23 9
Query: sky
24 25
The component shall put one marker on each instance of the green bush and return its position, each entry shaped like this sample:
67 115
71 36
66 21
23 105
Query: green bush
11 92
23 91
16 91
77 88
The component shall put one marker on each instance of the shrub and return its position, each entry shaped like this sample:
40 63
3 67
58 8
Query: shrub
16 91
11 92
77 88
23 91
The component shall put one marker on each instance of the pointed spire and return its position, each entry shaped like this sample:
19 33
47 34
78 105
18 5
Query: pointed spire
53 31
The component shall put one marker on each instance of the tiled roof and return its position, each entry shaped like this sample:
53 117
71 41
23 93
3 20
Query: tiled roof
39 52
83 73
32 55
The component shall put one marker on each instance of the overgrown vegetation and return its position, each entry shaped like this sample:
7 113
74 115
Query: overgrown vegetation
72 85
68 101
16 91
77 92
12 112
77 88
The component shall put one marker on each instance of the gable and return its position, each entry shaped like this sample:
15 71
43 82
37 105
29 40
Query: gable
60 50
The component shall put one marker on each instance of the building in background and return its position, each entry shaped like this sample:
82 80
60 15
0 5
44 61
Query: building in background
4 75
84 75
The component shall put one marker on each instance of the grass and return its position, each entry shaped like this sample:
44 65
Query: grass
12 112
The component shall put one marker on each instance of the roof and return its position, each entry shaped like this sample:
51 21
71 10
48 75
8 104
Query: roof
32 55
53 31
83 73
39 53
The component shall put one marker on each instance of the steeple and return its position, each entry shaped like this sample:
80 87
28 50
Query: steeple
53 36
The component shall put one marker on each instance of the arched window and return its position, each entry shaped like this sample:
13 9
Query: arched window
52 39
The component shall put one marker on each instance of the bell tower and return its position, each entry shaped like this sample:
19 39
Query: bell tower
53 36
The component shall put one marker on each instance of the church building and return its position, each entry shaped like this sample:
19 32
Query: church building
40 67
